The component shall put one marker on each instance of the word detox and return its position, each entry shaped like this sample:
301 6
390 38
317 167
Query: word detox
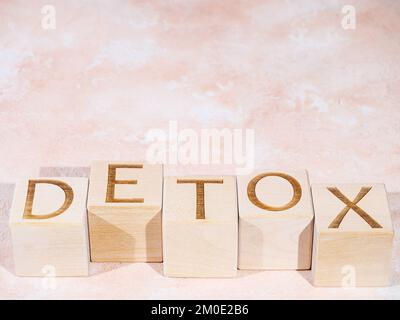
203 226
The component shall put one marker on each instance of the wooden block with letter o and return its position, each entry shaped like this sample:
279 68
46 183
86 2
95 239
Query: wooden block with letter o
124 207
353 235
275 220
48 223
200 226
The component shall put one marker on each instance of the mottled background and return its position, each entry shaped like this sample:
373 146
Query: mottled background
316 95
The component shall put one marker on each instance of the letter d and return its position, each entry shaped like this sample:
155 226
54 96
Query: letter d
69 196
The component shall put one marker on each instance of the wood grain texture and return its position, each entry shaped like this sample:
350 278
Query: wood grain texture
352 238
200 247
275 231
43 241
124 207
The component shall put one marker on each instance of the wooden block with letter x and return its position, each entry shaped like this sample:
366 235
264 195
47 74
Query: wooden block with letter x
353 235
200 226
48 223
124 207
275 220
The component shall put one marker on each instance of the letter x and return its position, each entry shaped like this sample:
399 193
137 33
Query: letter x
352 205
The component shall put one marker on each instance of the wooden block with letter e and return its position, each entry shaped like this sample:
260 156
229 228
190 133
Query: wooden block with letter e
353 235
124 207
200 225
275 220
48 223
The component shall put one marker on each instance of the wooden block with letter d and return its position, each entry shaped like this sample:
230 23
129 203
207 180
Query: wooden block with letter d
275 221
200 226
48 223
124 207
353 235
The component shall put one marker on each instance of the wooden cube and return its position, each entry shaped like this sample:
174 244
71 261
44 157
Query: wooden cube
275 220
353 235
200 226
124 207
48 223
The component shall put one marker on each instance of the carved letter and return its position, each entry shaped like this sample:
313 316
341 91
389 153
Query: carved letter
352 205
112 171
69 196
251 191
200 212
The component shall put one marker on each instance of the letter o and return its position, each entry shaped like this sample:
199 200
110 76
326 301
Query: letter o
251 191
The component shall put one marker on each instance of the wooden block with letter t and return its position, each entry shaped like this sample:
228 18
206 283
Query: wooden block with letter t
200 225
275 221
124 207
353 235
48 223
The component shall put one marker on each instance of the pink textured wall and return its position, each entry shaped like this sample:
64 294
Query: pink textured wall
316 95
